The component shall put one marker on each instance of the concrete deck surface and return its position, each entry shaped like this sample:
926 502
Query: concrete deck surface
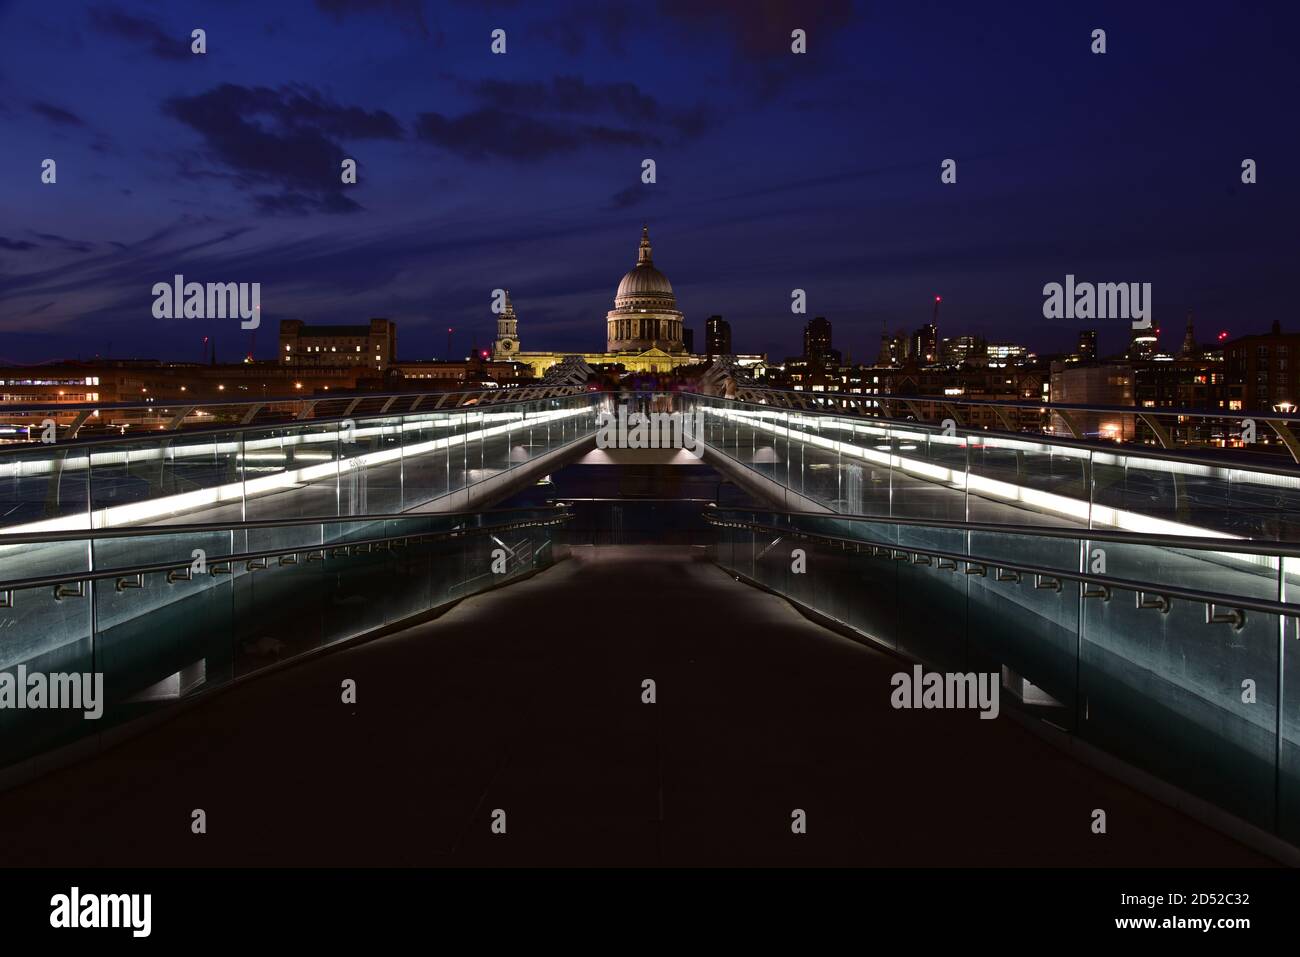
528 699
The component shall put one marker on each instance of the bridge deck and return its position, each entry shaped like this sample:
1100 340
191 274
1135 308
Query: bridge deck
528 699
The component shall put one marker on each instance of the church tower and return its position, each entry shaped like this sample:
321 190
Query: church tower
506 345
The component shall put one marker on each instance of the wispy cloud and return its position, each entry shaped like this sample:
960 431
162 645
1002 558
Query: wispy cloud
404 12
118 23
286 138
56 114
572 95
518 137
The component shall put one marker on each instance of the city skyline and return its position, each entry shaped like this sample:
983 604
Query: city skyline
901 342
482 347
479 172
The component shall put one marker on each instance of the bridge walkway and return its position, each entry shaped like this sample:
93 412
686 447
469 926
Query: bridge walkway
528 699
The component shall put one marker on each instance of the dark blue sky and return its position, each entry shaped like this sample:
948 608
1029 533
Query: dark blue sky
775 171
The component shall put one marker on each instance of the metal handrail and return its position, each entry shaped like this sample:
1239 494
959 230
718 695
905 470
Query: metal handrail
1210 599
1193 454
123 571
1032 405
134 531
803 395
555 392
1192 542
1202 453
279 400
566 499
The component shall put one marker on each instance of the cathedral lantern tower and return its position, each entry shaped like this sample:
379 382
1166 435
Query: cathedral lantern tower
645 314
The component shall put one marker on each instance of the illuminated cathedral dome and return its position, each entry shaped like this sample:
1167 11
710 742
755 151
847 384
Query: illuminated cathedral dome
645 312
644 281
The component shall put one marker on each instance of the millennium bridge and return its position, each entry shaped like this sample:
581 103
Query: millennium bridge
455 628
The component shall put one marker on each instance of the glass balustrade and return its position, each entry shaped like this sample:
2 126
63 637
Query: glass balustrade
1175 655
161 612
352 466
863 466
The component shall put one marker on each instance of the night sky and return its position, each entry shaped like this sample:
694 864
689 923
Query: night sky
775 171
